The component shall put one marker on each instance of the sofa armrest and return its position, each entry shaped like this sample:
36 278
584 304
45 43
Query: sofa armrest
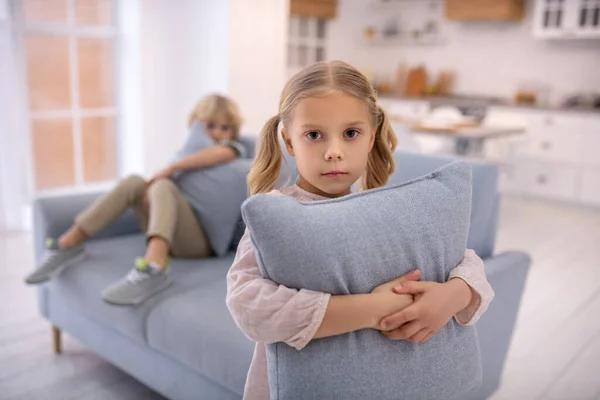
507 273
52 216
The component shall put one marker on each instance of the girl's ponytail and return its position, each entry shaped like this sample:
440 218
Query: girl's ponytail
267 163
381 164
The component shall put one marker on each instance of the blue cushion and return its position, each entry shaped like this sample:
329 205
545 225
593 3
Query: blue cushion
351 245
485 201
196 329
215 193
485 197
108 260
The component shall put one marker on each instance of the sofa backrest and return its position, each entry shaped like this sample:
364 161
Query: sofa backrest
486 199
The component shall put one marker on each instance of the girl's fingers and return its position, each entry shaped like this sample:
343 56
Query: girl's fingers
404 332
420 336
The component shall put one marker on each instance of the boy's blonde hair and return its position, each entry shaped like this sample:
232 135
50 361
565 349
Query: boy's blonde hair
317 80
216 106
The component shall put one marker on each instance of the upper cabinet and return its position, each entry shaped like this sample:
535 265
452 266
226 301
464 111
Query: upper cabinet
567 19
484 10
321 9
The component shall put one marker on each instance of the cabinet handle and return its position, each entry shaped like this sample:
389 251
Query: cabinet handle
542 179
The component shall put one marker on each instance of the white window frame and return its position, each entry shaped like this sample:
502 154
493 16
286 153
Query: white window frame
72 32
311 41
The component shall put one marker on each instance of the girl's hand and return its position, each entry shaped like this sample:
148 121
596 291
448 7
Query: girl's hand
435 304
386 302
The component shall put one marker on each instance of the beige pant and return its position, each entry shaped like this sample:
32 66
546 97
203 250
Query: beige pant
169 215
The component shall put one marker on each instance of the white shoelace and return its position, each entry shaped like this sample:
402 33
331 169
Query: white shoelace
136 276
49 255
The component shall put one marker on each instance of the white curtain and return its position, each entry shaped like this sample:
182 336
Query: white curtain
14 148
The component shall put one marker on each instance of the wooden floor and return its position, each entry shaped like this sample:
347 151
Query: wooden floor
555 352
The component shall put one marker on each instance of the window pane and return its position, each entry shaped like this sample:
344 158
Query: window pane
320 54
52 141
45 11
321 28
48 72
99 148
94 12
96 77
303 27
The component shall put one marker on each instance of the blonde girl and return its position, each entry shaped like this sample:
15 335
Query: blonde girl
332 125
161 209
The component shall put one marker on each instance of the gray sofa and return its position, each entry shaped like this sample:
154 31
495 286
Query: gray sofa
184 344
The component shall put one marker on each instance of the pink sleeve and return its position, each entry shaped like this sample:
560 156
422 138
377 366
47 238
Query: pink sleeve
268 312
471 270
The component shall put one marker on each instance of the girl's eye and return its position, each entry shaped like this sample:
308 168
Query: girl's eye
351 133
313 135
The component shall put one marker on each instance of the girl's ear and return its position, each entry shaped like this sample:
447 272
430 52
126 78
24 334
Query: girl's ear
288 142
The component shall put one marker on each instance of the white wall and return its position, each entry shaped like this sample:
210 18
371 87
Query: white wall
489 58
184 57
257 58
195 47
14 146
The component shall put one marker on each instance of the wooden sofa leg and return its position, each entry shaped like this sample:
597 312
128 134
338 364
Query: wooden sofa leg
57 340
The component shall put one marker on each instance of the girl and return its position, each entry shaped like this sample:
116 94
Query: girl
332 125
160 207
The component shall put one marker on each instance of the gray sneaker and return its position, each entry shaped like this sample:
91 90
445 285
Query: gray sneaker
55 261
143 281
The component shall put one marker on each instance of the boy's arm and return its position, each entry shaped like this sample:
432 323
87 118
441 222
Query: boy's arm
204 158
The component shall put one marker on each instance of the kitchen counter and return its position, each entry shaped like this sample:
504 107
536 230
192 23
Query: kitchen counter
482 102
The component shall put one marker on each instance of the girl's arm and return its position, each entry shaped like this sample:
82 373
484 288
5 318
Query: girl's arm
268 312
472 271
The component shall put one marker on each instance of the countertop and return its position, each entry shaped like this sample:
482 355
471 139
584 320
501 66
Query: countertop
479 102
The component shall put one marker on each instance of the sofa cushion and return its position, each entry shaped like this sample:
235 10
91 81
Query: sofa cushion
109 260
350 245
485 197
196 328
215 193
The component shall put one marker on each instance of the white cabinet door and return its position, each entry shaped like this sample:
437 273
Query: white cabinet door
550 181
591 141
566 19
587 20
590 187
556 137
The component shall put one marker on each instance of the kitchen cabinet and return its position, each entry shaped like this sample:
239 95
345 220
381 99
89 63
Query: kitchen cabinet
484 10
557 159
322 9
566 19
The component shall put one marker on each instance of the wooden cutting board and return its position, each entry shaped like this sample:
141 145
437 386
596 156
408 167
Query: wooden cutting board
416 82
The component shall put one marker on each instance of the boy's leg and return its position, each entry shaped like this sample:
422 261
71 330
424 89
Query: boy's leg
129 192
172 227
180 228
68 250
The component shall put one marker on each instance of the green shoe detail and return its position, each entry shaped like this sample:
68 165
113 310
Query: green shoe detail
141 264
49 243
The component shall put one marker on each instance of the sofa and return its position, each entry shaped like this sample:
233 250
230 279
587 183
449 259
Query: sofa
183 342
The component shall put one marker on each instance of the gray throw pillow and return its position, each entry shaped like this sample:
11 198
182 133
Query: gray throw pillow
216 193
350 245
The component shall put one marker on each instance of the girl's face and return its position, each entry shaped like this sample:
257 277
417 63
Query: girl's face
330 137
219 129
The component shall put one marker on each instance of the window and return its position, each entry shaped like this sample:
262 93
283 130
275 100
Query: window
70 62
307 40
